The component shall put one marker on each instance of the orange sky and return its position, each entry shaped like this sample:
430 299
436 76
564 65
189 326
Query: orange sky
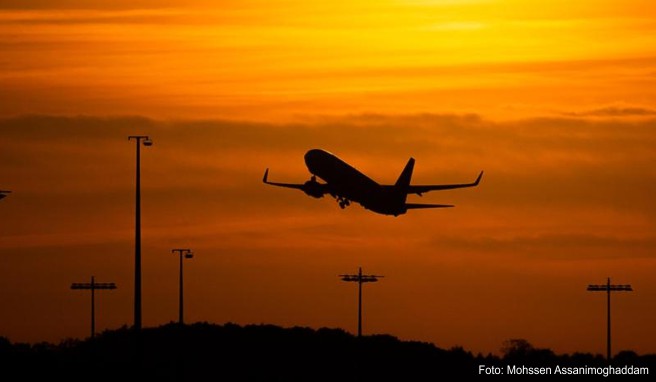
554 100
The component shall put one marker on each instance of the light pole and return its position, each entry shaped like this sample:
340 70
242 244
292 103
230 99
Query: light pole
609 288
360 278
137 232
93 286
186 252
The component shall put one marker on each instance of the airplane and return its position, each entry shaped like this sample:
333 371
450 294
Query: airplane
4 193
346 184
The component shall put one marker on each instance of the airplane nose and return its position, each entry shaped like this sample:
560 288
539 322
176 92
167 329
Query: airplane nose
311 156
313 159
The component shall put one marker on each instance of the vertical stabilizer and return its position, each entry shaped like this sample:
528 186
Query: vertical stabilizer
406 175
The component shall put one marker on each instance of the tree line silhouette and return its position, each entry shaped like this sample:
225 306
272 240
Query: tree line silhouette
230 352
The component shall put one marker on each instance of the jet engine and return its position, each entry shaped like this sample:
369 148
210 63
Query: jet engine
314 188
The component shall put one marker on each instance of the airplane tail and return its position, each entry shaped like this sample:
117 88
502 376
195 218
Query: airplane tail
406 174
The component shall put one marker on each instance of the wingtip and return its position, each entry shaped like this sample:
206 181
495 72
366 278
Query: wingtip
266 175
478 180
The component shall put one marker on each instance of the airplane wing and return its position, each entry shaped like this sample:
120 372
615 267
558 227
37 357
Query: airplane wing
311 187
288 185
420 189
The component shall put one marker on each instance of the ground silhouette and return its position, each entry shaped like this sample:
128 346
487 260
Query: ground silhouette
230 352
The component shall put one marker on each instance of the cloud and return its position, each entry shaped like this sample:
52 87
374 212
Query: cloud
556 246
123 17
562 164
615 111
247 60
85 4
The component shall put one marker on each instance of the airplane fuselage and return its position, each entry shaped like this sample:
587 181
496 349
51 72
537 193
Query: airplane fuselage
346 185
349 183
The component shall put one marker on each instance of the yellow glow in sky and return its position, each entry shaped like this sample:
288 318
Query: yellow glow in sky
278 60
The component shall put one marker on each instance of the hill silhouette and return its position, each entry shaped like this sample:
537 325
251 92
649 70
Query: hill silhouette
230 352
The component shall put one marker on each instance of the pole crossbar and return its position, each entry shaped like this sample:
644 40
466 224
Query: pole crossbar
93 286
608 288
360 279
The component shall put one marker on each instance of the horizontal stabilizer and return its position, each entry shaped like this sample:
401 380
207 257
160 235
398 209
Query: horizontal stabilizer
411 206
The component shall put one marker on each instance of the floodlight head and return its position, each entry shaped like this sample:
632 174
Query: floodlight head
147 142
189 255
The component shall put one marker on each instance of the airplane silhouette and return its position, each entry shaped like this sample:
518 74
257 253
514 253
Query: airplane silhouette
346 184
4 193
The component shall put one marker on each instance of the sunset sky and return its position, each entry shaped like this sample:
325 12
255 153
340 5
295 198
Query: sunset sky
555 100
